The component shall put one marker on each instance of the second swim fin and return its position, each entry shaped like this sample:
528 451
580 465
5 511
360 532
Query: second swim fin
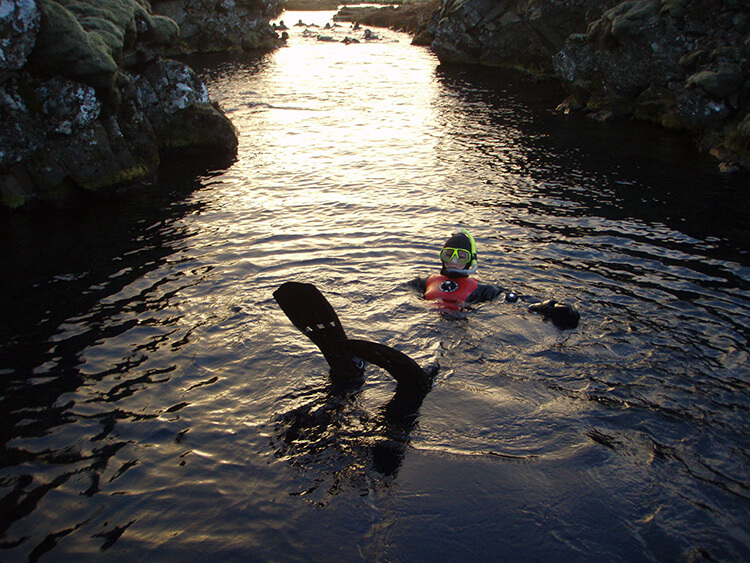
404 370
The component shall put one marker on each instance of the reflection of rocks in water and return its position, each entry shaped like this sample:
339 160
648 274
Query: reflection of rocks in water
345 445
60 419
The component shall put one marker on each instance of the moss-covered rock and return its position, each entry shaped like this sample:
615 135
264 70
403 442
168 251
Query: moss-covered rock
674 62
73 114
164 31
63 46
410 18
632 16
513 33
177 104
722 82
743 133
12 193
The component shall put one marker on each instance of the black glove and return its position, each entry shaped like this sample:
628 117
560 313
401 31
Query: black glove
562 314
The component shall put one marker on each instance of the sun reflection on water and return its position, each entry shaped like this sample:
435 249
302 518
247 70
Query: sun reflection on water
335 147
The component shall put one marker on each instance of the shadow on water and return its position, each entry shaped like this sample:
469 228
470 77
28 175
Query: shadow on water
334 435
60 276
217 67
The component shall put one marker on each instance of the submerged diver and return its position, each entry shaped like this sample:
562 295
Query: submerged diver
454 287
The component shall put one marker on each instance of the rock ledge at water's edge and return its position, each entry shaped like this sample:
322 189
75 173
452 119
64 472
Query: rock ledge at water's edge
88 102
684 64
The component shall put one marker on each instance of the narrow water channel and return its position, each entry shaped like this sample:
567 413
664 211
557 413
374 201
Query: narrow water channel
155 401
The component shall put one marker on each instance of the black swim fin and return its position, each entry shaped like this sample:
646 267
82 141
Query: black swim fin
312 314
404 370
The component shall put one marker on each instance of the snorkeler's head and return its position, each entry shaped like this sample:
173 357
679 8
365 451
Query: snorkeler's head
459 255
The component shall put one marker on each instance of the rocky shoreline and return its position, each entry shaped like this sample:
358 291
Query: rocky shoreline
221 25
89 102
680 63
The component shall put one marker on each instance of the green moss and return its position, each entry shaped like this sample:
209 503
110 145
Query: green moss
199 126
110 36
676 8
164 31
124 176
251 41
83 39
664 116
12 201
598 102
672 120
119 12
658 105
718 83
12 195
736 137
640 15
64 46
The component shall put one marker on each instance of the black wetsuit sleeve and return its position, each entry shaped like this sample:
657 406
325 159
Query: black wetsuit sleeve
420 284
484 292
561 314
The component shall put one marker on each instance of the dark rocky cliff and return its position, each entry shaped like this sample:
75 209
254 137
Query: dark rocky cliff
221 25
523 34
88 101
681 63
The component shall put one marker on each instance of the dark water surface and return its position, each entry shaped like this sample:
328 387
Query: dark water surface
155 401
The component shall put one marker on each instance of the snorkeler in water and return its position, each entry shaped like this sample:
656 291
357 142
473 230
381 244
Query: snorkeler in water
313 315
453 287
